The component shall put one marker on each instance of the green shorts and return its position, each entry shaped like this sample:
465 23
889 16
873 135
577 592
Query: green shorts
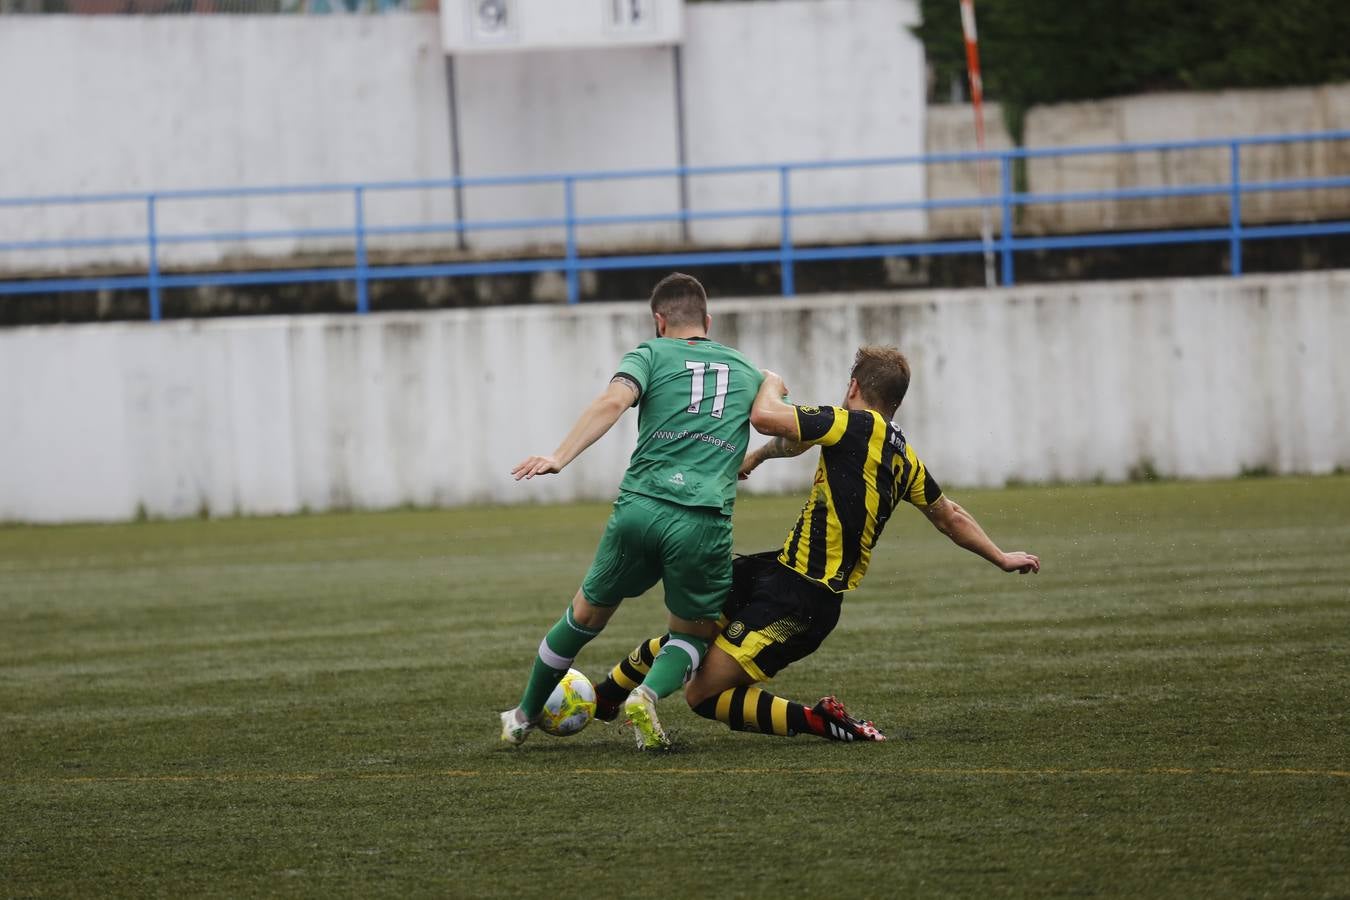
649 540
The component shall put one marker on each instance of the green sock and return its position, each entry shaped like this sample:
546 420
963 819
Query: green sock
676 663
556 652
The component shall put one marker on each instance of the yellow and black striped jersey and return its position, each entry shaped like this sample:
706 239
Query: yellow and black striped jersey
866 468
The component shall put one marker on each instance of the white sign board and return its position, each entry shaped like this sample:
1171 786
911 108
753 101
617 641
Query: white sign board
478 26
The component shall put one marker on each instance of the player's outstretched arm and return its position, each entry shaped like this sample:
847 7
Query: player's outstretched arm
595 420
949 518
770 414
778 448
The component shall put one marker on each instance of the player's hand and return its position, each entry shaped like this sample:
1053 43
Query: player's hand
775 383
1022 563
536 465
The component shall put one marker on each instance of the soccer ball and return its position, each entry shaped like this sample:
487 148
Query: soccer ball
570 707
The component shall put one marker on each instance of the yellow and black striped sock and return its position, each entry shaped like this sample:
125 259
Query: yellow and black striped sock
755 709
628 674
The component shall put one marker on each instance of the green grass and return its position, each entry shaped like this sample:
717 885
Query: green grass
307 707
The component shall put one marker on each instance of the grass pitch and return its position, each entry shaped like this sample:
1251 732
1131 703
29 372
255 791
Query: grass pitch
307 707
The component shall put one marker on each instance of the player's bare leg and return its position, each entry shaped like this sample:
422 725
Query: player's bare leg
679 658
718 673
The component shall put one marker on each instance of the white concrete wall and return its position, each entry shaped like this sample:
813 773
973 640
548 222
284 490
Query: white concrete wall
1155 118
142 103
152 103
1183 117
1201 378
951 129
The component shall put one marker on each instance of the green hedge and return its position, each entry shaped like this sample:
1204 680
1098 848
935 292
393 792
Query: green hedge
1046 51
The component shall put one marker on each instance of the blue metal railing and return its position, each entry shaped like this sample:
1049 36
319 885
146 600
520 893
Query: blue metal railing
572 263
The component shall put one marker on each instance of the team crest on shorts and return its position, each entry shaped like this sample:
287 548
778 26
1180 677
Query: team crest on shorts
808 410
735 630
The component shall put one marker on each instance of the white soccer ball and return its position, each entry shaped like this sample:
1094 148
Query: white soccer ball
570 707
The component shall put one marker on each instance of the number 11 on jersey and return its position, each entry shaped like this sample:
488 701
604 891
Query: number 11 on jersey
697 370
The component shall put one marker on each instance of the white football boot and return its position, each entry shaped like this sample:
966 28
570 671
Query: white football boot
515 727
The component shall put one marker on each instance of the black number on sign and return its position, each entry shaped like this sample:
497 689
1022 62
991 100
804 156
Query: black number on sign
627 13
492 14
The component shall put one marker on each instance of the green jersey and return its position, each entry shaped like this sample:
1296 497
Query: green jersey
694 399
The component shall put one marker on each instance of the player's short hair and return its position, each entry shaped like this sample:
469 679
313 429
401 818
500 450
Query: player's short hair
681 299
883 376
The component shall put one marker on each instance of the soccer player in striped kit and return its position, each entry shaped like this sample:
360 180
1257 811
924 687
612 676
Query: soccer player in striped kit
784 603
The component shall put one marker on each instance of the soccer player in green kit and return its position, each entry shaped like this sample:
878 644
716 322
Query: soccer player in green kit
672 519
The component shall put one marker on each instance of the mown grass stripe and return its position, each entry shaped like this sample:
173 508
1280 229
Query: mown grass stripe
771 771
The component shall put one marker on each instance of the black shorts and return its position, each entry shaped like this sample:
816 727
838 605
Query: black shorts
774 616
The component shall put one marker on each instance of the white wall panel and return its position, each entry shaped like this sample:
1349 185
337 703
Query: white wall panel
563 111
1198 379
145 103
804 80
1192 115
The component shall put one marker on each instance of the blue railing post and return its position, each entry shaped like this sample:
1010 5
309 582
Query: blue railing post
152 246
785 231
1006 233
1235 209
362 269
570 239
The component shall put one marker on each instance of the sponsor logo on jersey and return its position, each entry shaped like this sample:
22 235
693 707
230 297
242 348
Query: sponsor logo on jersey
677 479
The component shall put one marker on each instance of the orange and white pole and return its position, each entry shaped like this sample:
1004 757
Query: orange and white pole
977 100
